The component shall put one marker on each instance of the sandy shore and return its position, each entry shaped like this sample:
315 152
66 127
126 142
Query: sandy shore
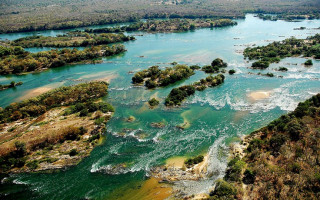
37 91
258 95
175 170
151 189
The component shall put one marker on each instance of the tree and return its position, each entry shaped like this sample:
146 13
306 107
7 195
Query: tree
308 62
260 65
218 62
192 27
232 71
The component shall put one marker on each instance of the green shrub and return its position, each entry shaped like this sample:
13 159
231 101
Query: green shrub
232 71
223 189
295 168
308 62
275 143
33 164
84 113
260 65
73 152
193 161
153 102
99 121
195 67
249 176
234 170
283 69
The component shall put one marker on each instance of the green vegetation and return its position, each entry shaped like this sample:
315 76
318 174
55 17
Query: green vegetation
267 74
195 67
15 60
235 169
78 97
215 66
11 85
193 161
210 81
308 62
153 102
73 152
282 156
232 71
38 15
159 78
289 17
71 39
177 95
223 190
283 69
260 65
276 51
15 158
170 25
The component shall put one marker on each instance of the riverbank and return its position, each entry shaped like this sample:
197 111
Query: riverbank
53 138
279 160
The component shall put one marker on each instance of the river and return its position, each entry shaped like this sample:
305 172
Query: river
217 116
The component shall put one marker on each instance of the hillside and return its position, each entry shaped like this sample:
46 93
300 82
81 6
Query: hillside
31 15
279 161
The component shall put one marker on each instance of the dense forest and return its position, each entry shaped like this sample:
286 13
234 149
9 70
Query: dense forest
71 39
15 60
281 160
32 15
274 52
21 143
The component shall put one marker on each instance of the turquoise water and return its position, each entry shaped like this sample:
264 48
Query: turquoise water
217 115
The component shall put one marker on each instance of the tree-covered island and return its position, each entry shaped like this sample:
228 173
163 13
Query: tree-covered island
71 39
155 77
15 60
274 52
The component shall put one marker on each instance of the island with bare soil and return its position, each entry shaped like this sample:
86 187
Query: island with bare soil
53 130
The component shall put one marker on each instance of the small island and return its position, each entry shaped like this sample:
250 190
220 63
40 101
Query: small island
274 52
11 85
15 60
215 66
153 102
54 130
71 39
154 77
177 95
